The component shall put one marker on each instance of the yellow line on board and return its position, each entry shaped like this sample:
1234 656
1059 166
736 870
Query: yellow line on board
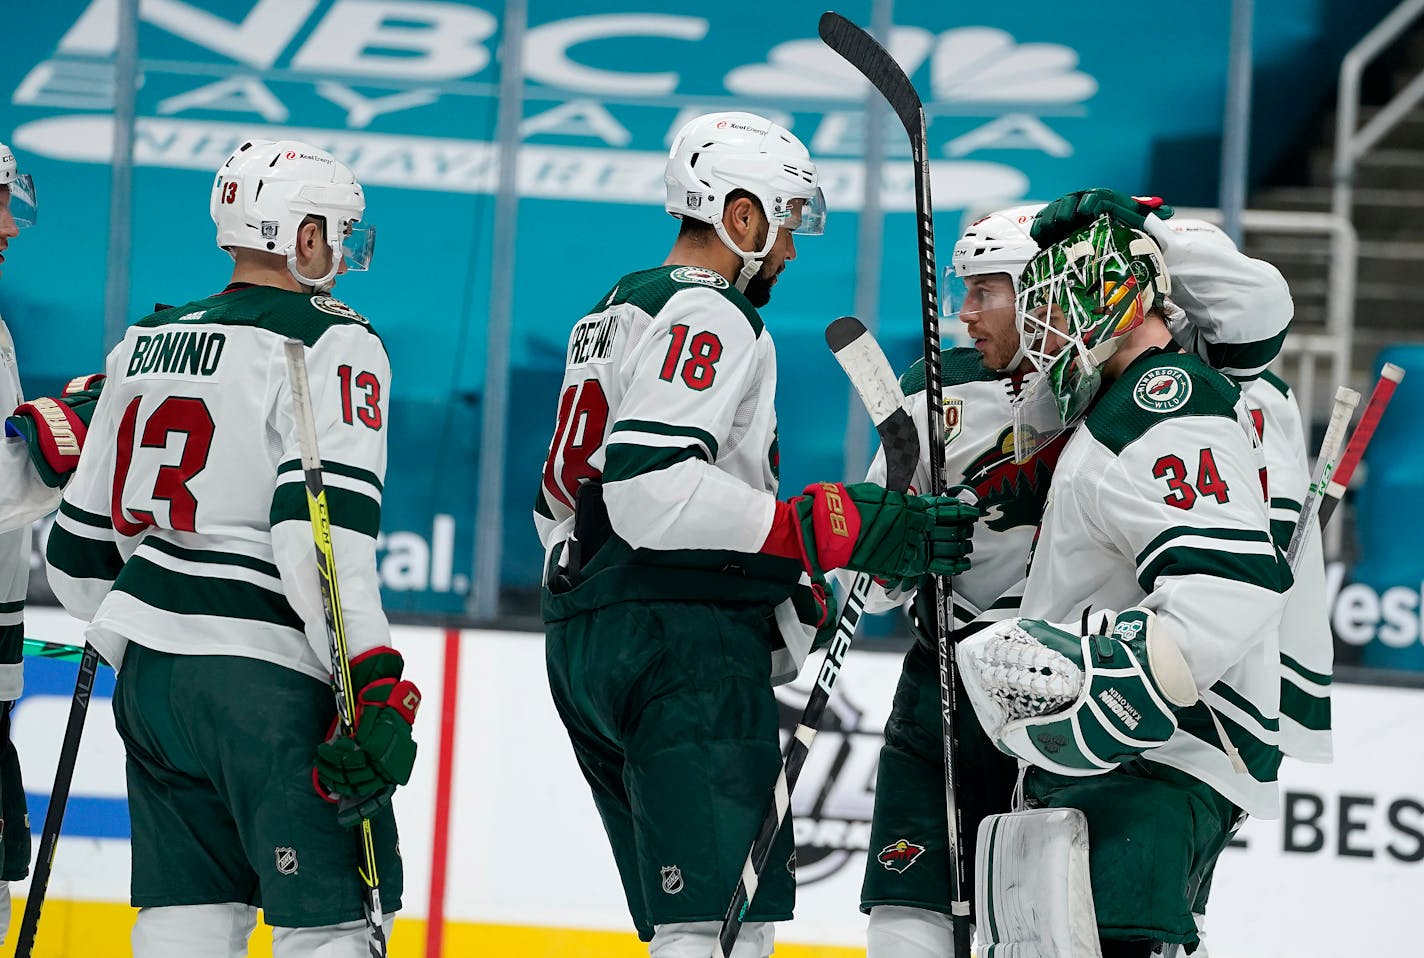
86 929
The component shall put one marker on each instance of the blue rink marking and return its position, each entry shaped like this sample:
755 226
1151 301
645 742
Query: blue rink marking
85 816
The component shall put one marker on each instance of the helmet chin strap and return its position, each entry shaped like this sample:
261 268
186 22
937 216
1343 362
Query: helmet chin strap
322 284
751 262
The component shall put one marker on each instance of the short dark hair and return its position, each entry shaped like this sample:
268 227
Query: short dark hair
701 232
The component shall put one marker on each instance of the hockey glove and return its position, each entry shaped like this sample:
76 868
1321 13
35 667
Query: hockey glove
1075 211
55 427
363 769
1077 705
872 529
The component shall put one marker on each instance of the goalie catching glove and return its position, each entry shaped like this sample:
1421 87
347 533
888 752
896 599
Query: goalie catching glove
1077 210
55 427
1077 705
868 528
362 770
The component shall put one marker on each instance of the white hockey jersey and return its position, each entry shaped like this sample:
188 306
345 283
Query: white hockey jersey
979 453
1158 501
23 499
185 527
668 404
1307 647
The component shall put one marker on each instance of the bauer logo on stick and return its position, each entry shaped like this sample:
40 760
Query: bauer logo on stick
899 855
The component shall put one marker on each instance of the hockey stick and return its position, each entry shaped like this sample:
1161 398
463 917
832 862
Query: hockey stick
861 51
58 798
1346 399
871 375
335 622
1390 377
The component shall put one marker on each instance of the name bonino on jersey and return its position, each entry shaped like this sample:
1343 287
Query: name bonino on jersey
184 352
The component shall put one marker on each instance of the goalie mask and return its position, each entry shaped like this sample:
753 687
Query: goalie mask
1076 301
715 154
996 243
24 205
267 189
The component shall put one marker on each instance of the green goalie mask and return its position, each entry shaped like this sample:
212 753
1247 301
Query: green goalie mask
1076 299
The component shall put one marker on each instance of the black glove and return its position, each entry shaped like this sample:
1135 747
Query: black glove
1075 211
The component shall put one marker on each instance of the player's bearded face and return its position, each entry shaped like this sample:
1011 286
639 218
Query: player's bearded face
759 287
988 316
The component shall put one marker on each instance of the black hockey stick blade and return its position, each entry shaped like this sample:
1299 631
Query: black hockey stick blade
863 52
871 374
874 380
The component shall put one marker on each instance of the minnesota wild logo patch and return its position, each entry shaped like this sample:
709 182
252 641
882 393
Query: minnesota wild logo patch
697 274
1163 389
899 855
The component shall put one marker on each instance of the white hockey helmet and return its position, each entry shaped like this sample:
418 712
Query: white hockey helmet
267 188
998 242
24 205
720 152
1202 228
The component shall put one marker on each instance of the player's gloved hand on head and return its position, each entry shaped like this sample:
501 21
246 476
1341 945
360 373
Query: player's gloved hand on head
868 528
363 769
55 427
1077 210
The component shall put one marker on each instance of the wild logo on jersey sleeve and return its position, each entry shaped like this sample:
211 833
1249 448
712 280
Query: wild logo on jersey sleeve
1012 494
335 307
1162 389
697 274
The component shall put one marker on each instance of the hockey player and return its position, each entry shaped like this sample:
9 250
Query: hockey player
1139 688
1307 648
41 448
672 565
184 539
907 896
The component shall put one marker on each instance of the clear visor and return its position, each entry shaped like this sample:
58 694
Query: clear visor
358 246
805 217
23 204
952 293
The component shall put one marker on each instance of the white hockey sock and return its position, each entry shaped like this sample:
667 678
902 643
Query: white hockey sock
4 910
193 931
346 940
898 931
696 939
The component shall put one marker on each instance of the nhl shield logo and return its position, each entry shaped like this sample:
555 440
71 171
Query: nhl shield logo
899 855
286 860
672 879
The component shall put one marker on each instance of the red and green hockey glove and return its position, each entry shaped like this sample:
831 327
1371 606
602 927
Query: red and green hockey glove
1075 211
362 770
872 529
55 427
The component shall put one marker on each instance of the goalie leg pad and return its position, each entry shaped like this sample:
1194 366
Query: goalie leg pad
1033 892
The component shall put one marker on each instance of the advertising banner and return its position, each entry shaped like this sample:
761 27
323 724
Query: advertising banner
502 846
